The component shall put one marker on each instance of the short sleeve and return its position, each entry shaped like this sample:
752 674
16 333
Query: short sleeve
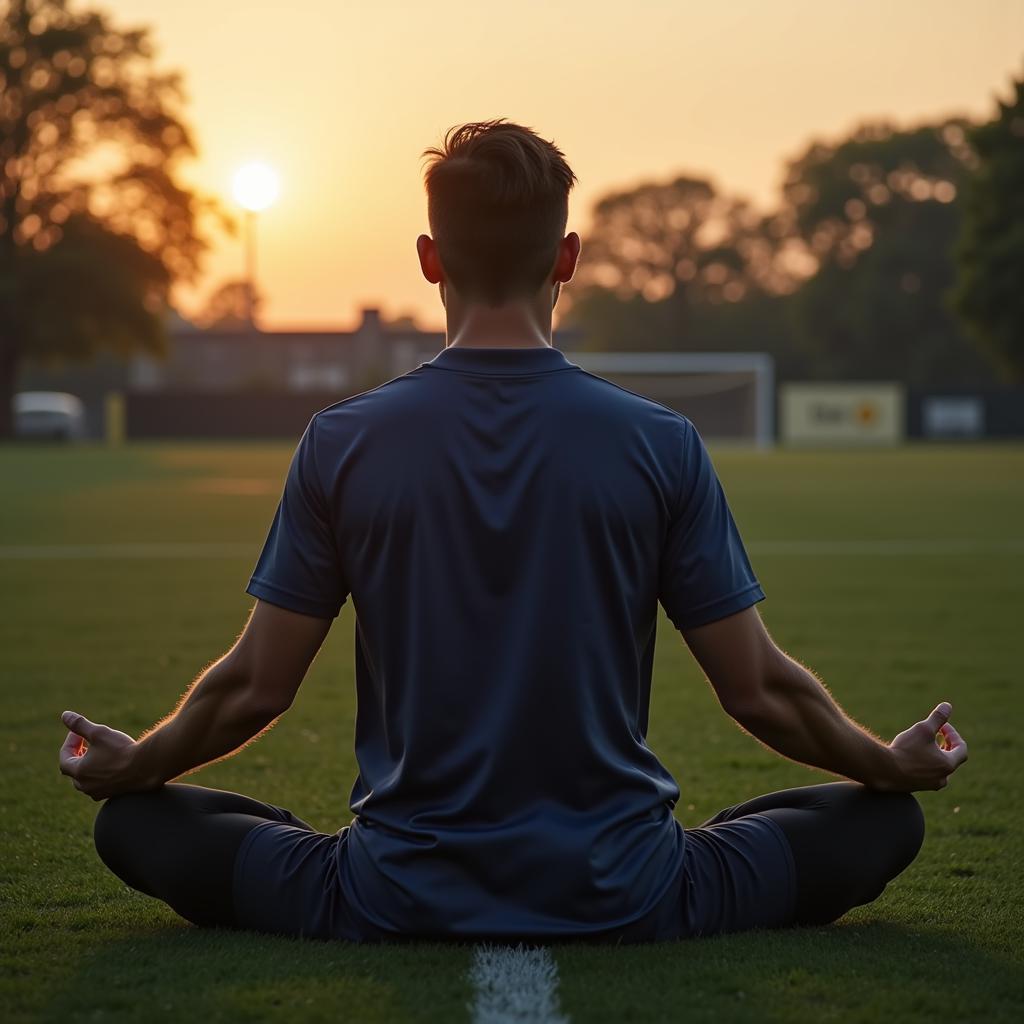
705 573
299 567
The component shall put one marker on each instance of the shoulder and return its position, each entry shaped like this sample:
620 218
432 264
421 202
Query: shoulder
369 410
392 391
639 408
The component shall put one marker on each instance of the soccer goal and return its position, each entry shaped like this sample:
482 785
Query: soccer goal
729 396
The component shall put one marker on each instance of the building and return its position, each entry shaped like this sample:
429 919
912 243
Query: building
239 360
342 361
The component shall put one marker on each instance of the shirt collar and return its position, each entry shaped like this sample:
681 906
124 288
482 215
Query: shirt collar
502 361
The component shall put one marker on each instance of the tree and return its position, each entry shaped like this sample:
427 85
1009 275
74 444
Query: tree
663 260
676 238
989 293
227 308
610 322
877 212
93 228
404 322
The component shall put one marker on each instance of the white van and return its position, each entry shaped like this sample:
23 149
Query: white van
53 415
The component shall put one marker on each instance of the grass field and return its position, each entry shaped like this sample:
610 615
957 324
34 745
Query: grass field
899 576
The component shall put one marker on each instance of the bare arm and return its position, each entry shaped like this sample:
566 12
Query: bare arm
231 703
787 707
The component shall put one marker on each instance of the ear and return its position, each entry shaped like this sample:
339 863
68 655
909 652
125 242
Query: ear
430 261
568 255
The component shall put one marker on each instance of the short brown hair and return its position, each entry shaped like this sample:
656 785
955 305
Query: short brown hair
498 203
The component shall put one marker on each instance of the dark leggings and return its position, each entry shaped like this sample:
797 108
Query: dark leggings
178 843
848 842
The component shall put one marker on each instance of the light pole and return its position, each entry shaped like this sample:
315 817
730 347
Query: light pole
250 267
255 188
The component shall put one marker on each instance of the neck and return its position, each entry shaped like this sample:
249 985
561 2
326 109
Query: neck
519 325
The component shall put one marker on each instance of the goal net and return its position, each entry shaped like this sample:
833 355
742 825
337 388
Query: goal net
729 396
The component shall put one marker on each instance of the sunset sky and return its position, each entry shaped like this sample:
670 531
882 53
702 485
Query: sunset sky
341 98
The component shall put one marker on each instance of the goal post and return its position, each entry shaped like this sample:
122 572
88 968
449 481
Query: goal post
729 396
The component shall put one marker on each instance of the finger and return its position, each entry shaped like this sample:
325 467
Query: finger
944 783
957 753
939 715
71 753
953 745
80 724
948 731
74 745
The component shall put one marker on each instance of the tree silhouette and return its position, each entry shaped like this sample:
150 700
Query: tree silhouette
227 308
878 212
674 238
989 294
404 322
657 253
93 228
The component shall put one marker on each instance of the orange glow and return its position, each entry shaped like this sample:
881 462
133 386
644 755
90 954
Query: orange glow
342 98
255 185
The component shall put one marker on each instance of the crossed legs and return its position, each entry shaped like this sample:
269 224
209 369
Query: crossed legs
848 842
178 844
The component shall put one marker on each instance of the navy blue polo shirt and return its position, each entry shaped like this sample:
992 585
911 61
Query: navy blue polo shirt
505 524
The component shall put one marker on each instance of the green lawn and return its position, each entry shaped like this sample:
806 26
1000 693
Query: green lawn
891 631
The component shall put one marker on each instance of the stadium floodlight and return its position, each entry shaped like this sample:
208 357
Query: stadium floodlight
255 186
728 395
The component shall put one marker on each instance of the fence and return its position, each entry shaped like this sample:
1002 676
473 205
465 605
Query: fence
236 415
228 415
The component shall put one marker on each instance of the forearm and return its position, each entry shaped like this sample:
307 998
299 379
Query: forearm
217 716
797 717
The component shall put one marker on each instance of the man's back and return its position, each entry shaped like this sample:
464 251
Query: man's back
505 524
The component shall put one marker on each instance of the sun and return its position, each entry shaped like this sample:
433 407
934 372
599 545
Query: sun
256 185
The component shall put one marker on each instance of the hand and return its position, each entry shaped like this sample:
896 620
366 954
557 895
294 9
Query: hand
98 759
923 762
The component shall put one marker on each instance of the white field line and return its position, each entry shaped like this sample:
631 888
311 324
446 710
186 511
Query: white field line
887 548
514 985
188 550
101 552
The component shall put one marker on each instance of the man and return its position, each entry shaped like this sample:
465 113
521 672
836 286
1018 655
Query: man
506 525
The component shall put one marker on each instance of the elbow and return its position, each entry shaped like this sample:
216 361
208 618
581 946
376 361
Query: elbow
749 709
265 702
255 696
267 680
758 702
253 708
268 694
